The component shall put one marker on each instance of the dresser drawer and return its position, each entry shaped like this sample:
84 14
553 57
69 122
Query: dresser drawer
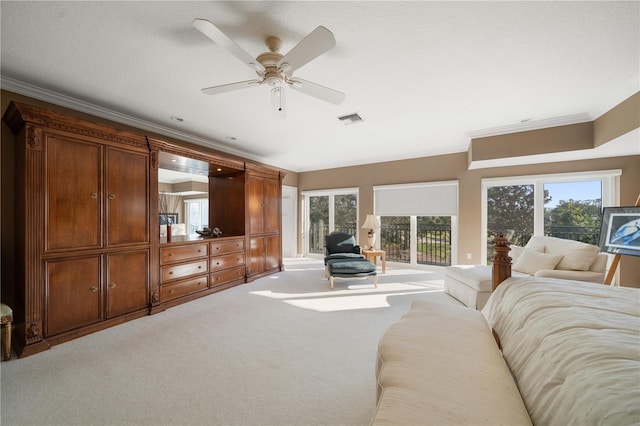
182 288
224 247
180 253
174 272
227 261
228 275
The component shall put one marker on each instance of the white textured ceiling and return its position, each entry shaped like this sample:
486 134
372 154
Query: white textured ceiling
423 75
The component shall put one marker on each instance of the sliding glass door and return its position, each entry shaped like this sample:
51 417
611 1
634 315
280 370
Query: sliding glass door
328 211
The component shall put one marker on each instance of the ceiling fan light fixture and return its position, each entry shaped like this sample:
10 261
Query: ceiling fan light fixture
274 81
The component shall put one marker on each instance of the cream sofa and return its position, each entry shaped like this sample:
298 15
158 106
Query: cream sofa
542 257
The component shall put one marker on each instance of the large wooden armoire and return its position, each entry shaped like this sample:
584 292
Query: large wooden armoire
82 226
87 244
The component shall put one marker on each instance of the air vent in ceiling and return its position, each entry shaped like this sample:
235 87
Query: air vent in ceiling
350 118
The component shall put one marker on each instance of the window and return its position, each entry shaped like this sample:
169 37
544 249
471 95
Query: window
564 205
418 222
328 211
197 215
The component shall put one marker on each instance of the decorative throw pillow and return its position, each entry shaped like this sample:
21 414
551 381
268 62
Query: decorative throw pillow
531 261
577 256
515 253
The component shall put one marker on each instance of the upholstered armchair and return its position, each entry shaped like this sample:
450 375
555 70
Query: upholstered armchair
340 245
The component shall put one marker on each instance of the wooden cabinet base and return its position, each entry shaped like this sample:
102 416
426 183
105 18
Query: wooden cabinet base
26 350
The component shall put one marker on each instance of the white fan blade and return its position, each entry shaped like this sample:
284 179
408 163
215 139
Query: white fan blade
230 87
278 106
211 31
317 91
315 44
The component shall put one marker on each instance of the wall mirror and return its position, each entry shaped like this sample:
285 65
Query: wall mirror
183 194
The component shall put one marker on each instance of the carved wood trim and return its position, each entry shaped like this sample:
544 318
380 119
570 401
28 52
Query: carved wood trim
34 138
501 260
64 123
33 246
260 171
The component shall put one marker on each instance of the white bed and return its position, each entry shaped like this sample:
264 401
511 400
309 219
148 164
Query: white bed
573 348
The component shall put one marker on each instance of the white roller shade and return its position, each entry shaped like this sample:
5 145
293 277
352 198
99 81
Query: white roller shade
418 199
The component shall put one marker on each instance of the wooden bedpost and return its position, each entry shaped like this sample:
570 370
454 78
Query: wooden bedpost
501 260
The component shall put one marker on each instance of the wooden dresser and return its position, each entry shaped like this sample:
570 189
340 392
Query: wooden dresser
190 266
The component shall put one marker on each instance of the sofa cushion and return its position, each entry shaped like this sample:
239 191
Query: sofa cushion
577 256
531 261
477 277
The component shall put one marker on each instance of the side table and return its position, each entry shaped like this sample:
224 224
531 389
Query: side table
373 255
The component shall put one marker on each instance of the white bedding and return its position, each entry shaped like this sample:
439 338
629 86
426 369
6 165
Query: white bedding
573 347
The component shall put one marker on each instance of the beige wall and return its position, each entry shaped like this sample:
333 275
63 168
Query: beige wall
454 167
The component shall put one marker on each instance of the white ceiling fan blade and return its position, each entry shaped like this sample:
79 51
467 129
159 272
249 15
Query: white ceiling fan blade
211 31
278 106
315 44
317 91
230 87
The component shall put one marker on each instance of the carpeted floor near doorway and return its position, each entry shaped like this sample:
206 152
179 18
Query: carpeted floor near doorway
283 350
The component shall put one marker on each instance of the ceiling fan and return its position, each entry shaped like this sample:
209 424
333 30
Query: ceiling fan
273 68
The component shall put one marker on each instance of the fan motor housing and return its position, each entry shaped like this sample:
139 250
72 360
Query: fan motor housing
269 60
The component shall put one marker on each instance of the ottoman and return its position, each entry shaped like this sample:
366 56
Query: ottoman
351 269
471 285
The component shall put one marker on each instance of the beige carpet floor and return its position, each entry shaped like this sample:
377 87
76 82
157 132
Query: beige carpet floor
283 350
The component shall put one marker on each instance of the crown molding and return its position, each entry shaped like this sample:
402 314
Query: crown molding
530 125
45 95
622 93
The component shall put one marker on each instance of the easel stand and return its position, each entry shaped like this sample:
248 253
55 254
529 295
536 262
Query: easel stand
616 260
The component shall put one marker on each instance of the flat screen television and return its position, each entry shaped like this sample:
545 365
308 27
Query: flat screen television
620 230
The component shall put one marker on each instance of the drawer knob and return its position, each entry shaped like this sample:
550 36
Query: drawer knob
112 285
199 266
217 263
171 291
112 196
94 195
199 283
94 289
170 254
170 272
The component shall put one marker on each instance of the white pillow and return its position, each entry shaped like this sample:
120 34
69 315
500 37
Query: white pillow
515 253
577 256
531 261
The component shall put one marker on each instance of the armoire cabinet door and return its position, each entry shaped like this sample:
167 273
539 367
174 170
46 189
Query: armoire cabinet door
255 204
256 255
73 200
271 204
127 282
272 252
73 294
126 197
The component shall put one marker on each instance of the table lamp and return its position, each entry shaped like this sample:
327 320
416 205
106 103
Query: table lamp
371 222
